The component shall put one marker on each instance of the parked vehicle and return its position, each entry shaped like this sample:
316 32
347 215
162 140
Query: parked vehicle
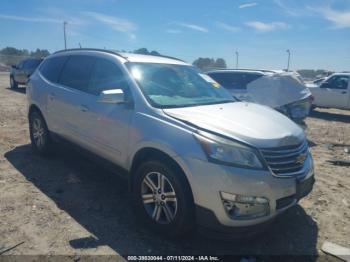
334 92
20 73
194 155
282 91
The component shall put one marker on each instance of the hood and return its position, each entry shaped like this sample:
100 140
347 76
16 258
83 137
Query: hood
257 125
277 90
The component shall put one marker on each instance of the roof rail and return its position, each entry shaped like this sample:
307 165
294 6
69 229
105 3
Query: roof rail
244 69
91 49
170 57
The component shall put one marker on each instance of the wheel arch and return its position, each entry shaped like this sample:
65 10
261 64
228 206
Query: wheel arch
152 153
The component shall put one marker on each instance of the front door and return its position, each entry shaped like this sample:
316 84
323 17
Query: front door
106 126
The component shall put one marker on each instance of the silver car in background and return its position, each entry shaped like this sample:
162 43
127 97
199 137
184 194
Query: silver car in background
193 154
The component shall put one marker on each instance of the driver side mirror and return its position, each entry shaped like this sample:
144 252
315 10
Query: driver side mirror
112 96
325 85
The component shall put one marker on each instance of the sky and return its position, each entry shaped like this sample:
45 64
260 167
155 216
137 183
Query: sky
316 32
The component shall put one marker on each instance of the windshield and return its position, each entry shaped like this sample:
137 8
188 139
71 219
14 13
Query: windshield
167 85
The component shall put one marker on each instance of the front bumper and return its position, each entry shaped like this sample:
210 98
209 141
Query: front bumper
207 180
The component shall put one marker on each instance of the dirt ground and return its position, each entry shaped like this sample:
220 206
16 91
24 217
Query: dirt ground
68 205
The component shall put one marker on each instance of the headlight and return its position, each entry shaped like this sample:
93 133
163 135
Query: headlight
227 152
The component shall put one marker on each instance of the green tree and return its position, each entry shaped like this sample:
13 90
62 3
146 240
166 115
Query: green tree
209 63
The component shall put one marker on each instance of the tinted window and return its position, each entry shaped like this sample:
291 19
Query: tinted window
20 65
234 80
105 76
52 67
339 82
32 63
77 71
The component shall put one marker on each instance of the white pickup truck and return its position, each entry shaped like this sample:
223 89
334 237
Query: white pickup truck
334 91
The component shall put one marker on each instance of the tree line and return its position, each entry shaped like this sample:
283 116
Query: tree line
12 56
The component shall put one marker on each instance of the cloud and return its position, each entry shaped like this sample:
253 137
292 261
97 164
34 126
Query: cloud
193 27
267 27
247 5
227 27
173 31
116 23
340 19
30 19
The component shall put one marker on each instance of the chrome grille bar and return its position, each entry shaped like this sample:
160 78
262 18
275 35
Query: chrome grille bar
286 161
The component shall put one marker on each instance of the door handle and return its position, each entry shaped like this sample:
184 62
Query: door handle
51 97
344 92
84 108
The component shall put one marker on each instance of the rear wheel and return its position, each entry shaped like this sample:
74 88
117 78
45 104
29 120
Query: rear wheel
39 134
13 83
163 199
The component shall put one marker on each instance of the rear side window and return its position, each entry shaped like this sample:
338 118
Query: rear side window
77 71
105 76
234 80
52 67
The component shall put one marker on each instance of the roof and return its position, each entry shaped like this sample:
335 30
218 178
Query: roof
257 71
342 74
131 57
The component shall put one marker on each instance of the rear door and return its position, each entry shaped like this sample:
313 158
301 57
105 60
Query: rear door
334 92
70 100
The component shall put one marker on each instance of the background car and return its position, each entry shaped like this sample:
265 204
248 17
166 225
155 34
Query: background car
333 92
20 73
283 91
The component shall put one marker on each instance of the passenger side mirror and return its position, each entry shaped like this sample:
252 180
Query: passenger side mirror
14 66
112 96
325 85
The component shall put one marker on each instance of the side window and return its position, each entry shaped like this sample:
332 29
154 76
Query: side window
105 76
20 65
339 82
238 81
52 67
227 80
33 63
77 71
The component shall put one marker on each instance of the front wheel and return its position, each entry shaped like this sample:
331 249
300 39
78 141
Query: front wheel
163 199
39 134
13 83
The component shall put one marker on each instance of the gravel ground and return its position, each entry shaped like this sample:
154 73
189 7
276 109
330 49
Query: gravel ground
68 205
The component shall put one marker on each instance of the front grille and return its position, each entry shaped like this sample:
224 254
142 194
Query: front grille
287 161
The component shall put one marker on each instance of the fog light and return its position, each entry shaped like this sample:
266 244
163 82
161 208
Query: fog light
245 207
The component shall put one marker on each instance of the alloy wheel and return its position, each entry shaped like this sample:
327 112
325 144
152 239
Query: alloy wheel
38 132
159 198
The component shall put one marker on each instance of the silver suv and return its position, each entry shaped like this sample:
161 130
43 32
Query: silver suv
194 155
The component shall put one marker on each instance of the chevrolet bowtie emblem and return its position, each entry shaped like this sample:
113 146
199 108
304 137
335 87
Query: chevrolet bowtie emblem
300 159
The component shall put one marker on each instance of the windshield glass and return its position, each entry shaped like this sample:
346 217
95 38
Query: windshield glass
167 85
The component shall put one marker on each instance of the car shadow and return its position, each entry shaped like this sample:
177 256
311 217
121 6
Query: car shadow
99 201
329 116
21 90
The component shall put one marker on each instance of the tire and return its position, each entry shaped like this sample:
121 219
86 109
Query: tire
39 134
175 208
13 83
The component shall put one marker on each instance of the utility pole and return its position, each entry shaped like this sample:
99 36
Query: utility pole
237 54
288 51
64 34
